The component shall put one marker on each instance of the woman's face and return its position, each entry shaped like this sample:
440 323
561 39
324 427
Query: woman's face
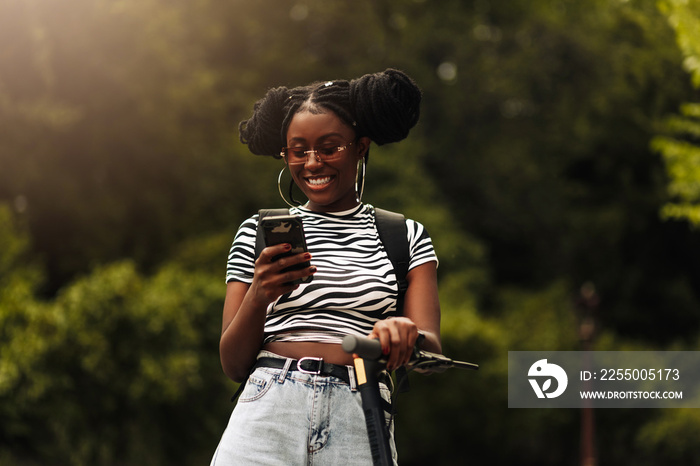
330 185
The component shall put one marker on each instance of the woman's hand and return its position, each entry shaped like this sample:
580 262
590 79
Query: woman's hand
398 337
271 280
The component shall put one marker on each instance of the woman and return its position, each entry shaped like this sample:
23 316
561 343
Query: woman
285 414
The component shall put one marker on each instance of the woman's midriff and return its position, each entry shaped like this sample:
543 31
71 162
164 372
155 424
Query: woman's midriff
331 353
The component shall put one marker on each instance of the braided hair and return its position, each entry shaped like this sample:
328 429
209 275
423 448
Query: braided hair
383 106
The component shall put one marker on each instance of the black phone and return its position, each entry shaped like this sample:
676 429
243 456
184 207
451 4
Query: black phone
280 229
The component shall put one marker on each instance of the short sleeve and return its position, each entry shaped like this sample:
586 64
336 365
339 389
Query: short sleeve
420 245
241 258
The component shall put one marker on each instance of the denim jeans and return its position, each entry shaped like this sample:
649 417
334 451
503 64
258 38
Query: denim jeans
292 418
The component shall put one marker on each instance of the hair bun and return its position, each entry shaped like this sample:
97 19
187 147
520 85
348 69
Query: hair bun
262 131
386 105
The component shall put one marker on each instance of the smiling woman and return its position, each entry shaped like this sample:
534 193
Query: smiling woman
271 328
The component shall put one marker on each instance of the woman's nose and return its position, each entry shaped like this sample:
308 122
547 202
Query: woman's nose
312 159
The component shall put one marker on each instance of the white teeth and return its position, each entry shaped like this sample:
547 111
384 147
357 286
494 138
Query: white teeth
319 181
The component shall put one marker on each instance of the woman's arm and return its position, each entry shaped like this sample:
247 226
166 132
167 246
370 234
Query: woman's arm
421 313
242 331
422 304
246 305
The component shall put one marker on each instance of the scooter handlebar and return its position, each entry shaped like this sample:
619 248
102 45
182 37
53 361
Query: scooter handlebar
368 348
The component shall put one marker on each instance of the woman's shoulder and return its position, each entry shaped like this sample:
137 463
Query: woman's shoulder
411 224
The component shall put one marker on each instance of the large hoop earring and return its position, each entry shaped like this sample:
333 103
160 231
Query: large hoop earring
294 202
360 179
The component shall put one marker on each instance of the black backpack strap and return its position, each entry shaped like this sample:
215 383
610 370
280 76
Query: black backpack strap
259 240
394 236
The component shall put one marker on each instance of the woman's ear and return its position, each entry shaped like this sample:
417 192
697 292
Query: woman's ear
363 146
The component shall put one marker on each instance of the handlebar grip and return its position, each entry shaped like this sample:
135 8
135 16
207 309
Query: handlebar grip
366 348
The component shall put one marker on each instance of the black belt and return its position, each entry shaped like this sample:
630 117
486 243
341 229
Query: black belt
314 366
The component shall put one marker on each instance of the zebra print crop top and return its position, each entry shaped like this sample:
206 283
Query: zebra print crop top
354 286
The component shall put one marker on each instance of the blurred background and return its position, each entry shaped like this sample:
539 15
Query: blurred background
555 166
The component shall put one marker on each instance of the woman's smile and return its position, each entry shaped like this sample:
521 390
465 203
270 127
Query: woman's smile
318 182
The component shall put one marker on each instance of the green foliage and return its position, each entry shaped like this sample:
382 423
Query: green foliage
670 437
679 142
684 17
17 286
390 171
117 369
682 157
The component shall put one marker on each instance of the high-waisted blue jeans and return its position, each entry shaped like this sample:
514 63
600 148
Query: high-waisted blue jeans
292 418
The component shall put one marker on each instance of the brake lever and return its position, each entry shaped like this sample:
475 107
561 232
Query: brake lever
434 362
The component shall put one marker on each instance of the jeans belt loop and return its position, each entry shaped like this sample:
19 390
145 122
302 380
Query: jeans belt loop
353 380
283 375
304 371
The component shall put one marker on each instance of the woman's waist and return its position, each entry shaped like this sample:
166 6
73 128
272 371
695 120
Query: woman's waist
330 352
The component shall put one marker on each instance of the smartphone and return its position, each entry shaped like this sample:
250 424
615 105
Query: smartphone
286 229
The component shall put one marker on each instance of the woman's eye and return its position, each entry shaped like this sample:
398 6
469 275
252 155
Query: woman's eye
299 153
328 151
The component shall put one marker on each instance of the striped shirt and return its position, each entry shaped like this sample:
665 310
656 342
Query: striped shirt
354 286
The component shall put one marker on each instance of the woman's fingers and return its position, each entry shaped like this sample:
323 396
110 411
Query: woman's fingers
273 276
398 338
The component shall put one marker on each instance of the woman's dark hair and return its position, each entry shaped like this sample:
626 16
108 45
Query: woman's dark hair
382 106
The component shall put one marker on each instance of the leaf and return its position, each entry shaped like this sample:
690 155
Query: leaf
546 385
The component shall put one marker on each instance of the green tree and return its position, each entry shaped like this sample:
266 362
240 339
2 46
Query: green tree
119 368
679 144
